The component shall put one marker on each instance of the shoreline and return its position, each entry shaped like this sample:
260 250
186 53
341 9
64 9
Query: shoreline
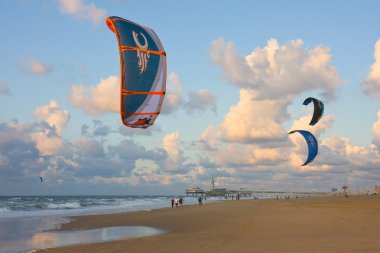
319 224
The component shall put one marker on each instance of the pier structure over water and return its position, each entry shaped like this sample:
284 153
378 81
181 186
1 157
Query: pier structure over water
222 192
195 191
242 192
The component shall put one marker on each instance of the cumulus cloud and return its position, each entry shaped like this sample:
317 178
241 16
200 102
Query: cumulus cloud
48 138
129 150
210 138
81 10
53 115
35 67
4 89
277 70
200 100
251 120
254 120
101 129
235 155
252 136
99 99
174 155
371 85
325 124
342 155
376 131
333 152
91 147
47 141
174 93
148 172
18 152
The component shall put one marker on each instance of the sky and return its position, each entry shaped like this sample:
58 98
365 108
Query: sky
238 73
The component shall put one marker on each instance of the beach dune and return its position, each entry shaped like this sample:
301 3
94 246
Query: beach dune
320 224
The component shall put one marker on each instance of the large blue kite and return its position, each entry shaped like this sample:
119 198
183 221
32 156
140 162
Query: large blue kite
312 145
143 72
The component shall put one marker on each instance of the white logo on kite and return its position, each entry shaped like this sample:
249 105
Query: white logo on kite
311 141
142 57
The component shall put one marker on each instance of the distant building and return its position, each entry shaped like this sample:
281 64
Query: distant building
376 188
194 191
345 192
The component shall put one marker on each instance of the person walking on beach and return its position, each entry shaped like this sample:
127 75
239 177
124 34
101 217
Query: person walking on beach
176 200
181 202
200 201
172 203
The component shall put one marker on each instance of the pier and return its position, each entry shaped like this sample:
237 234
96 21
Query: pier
243 192
195 191
222 192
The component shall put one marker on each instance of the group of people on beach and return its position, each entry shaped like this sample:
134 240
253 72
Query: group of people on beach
177 202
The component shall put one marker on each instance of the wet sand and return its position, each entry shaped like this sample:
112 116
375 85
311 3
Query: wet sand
324 224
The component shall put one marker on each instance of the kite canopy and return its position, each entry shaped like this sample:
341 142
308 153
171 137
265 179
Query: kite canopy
312 145
143 72
318 109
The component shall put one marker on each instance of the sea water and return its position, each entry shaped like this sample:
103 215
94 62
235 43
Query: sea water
24 220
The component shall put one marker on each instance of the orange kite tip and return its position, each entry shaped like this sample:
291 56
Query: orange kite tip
110 24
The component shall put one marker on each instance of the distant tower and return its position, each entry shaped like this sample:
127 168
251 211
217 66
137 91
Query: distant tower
212 183
345 193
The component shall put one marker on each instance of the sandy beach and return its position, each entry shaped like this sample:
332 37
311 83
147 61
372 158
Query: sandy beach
324 224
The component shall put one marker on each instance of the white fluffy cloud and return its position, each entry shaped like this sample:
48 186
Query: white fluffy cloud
252 132
18 151
254 120
376 131
49 140
53 115
174 93
250 120
99 99
200 100
371 85
174 155
239 155
80 9
276 71
323 125
147 171
36 67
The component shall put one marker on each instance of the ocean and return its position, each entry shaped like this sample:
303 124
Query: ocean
22 217
19 206
28 222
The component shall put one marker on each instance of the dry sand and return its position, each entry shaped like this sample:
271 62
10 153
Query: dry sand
325 224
